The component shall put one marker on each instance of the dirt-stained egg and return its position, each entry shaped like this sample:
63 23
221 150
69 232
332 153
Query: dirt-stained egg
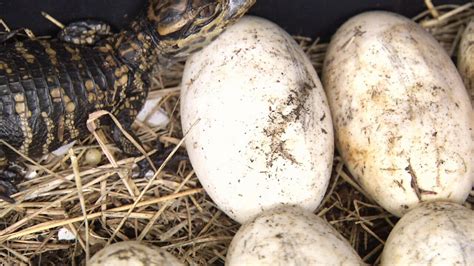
434 233
402 117
133 253
289 236
260 131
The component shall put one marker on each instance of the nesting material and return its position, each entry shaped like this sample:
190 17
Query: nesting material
466 58
174 213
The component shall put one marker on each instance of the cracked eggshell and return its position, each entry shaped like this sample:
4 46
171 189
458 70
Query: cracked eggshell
434 233
290 236
260 131
401 113
133 253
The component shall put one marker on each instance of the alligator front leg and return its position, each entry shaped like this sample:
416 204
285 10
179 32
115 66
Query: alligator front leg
84 32
121 140
126 144
8 179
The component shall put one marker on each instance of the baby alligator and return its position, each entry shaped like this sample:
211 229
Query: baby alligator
49 87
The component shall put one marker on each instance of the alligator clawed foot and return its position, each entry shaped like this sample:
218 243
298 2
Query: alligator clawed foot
84 32
159 158
9 178
7 189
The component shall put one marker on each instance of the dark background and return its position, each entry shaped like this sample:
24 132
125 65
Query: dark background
312 18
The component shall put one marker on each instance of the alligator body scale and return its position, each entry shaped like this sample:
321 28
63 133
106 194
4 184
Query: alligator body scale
48 89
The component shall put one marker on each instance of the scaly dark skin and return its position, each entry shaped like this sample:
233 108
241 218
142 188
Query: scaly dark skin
48 88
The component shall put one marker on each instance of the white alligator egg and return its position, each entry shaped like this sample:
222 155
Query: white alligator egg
290 236
260 131
402 117
434 233
133 253
466 68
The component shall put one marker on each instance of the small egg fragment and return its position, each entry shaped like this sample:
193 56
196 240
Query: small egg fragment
93 157
289 236
434 233
402 117
260 131
152 115
133 253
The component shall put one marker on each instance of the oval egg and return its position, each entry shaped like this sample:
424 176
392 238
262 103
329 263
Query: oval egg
434 233
290 236
400 110
133 253
260 131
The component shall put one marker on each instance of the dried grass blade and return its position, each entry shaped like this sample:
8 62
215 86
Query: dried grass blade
48 225
162 209
75 168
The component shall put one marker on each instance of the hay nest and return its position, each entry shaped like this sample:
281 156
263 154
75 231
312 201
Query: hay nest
170 209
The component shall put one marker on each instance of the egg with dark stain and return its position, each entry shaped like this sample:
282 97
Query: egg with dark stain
290 236
260 131
434 233
402 117
133 253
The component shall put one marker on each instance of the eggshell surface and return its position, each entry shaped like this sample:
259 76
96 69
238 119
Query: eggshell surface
435 233
133 253
290 236
402 117
466 67
260 131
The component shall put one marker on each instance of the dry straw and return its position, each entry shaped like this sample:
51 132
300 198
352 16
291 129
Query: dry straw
171 209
